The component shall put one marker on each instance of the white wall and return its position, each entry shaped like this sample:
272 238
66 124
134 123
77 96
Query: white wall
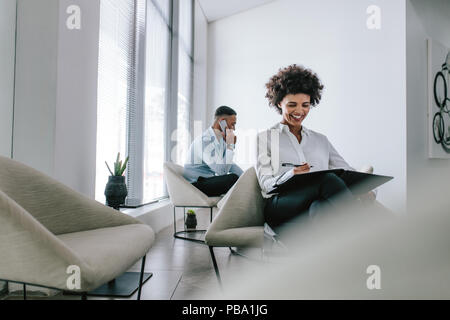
35 93
363 110
200 66
56 91
423 19
7 54
76 112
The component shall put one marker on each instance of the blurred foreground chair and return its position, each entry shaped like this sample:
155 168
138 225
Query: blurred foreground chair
54 237
184 195
240 221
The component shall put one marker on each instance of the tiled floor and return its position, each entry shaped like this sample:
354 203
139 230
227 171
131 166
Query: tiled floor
181 269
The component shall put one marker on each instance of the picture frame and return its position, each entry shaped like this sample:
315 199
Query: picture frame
438 100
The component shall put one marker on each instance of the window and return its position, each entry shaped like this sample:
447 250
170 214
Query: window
116 47
144 91
158 35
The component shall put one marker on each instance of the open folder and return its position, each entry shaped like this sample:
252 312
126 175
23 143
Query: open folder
358 182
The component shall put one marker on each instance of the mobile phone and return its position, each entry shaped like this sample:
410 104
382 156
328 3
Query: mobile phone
223 126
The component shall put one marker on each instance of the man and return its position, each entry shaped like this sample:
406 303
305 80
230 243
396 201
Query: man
210 166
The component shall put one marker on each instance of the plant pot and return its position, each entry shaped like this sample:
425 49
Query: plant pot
116 191
191 221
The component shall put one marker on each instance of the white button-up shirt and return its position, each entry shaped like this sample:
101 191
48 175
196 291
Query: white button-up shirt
208 156
278 145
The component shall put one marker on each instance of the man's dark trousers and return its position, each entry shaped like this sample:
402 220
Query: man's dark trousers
216 186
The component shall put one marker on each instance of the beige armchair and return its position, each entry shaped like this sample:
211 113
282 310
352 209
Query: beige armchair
184 195
48 230
240 221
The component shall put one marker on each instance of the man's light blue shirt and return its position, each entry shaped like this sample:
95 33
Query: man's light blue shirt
209 156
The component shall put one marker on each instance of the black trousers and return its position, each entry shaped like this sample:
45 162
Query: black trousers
215 186
312 197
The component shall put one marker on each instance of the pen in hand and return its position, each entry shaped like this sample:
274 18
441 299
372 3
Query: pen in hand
294 165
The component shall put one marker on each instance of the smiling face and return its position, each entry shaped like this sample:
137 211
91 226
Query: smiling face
294 109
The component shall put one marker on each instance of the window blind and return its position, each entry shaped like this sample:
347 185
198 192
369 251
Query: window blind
158 35
116 52
135 120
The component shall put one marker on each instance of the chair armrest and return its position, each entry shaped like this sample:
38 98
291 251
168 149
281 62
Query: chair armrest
59 208
183 193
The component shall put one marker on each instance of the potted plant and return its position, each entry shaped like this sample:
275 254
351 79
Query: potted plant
191 220
116 189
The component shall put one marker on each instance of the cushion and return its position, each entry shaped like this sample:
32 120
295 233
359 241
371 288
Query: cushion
108 252
238 237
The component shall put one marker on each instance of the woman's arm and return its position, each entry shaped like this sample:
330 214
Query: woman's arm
266 169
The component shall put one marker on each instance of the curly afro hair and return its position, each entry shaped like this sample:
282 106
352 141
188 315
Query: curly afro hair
293 80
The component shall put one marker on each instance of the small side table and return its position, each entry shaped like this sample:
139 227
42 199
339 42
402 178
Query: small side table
184 234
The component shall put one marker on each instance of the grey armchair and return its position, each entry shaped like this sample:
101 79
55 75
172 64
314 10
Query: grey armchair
184 195
46 227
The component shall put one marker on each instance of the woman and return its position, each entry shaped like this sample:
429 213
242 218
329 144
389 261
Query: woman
288 149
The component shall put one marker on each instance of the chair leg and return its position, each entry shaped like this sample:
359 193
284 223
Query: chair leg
141 278
6 287
174 220
24 291
216 269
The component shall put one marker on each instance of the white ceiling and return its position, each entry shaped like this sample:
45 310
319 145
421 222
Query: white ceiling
217 9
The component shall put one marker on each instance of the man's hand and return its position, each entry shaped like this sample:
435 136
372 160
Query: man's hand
302 169
230 137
